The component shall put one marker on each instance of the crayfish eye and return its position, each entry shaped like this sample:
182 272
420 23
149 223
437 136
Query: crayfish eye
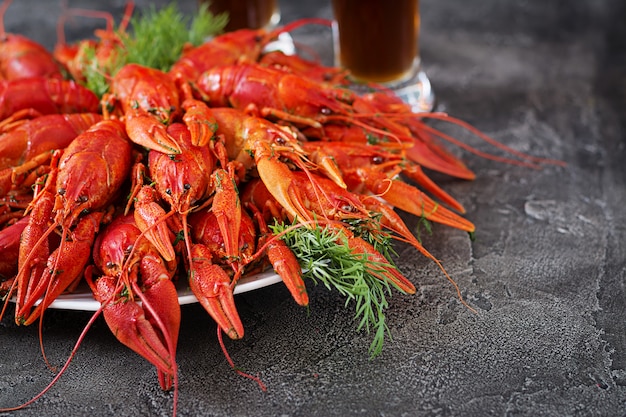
187 186
280 140
347 208
110 265
83 199
325 111
377 160
61 191
168 191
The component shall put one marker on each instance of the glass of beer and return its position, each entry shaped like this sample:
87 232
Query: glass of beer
377 41
246 14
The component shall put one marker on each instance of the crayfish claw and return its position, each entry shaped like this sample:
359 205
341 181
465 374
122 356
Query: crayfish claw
408 198
287 267
387 271
144 130
148 216
282 258
212 287
162 299
200 121
129 324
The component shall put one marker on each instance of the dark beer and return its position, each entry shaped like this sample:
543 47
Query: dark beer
252 14
378 39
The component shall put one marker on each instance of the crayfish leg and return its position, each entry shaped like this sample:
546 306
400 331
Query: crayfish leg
63 267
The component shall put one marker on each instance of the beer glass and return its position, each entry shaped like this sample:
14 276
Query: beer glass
377 41
253 14
250 14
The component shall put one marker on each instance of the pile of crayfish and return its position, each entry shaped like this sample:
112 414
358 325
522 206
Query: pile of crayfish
181 174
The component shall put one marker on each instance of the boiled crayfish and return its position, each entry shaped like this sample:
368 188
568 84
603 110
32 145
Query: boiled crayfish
185 175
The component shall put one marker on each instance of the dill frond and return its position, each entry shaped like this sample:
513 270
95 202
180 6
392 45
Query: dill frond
325 257
155 39
205 25
369 230
158 37
98 74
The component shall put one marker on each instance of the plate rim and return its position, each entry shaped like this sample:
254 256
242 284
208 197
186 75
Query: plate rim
83 300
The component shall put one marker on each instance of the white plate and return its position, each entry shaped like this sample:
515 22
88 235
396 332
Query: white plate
83 300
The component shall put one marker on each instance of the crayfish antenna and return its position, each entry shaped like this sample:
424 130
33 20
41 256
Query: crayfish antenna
297 24
40 326
392 221
3 9
62 370
526 160
67 363
232 364
7 299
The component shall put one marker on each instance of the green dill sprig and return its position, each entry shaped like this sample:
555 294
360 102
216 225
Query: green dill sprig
158 36
205 25
98 74
324 255
423 223
369 230
156 40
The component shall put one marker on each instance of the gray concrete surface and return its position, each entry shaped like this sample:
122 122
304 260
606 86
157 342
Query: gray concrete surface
546 271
